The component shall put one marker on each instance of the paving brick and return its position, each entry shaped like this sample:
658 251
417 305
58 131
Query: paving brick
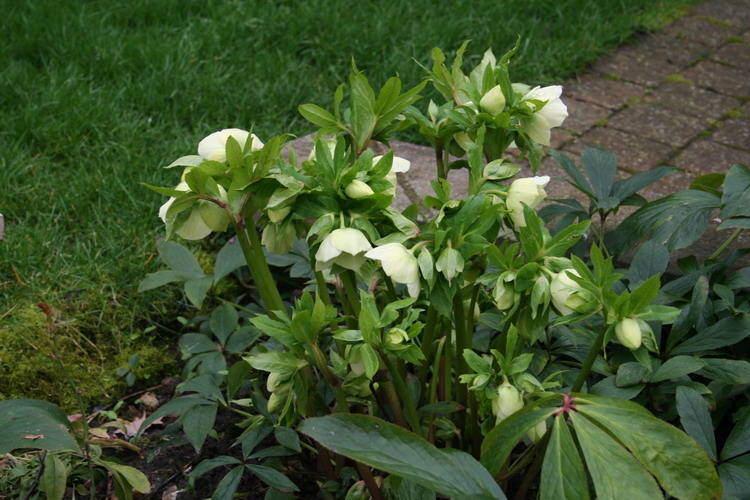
745 110
611 94
658 124
734 132
559 138
701 30
636 66
583 115
734 54
706 156
721 78
736 14
680 52
692 100
634 153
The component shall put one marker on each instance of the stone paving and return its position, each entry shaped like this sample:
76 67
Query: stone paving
677 97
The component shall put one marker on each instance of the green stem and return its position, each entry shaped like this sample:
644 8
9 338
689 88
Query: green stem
433 388
408 405
461 344
439 160
726 244
256 262
428 340
350 290
322 288
393 401
589 362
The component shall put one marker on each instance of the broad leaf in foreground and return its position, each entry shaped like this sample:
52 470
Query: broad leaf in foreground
397 451
563 476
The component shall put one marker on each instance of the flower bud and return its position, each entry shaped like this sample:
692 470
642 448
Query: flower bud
507 402
276 402
567 295
528 191
493 102
628 332
396 336
536 432
213 147
357 364
278 214
274 381
358 189
504 294
463 140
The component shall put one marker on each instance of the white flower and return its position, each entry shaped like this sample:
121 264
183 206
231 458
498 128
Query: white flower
214 146
507 402
551 115
358 189
567 295
536 432
528 191
399 166
628 332
205 216
345 247
398 263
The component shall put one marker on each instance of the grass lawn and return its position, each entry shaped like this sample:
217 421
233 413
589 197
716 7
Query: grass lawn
97 96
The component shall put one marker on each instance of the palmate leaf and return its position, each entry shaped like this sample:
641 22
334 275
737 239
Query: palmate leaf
679 464
392 449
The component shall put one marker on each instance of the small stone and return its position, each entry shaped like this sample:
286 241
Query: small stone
692 100
724 79
658 124
612 94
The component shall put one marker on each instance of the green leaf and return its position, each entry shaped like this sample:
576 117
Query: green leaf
288 438
727 331
695 419
563 476
579 180
736 196
223 321
738 441
135 478
27 423
651 259
228 485
476 362
729 371
735 476
601 167
192 343
644 295
677 367
197 289
392 449
370 360
186 161
178 405
501 440
272 477
54 478
230 257
614 471
275 362
197 422
688 317
317 115
608 388
180 259
212 463
627 187
680 465
160 278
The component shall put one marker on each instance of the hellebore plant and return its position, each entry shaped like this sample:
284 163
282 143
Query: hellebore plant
430 338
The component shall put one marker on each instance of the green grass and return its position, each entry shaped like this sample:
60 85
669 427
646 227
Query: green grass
96 96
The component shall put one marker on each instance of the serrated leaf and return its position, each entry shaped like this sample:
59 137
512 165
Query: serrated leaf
614 471
288 438
228 485
230 257
727 331
601 167
192 343
677 367
272 477
735 476
317 115
397 451
197 422
695 419
197 289
563 476
650 260
680 465
223 321
738 441
729 371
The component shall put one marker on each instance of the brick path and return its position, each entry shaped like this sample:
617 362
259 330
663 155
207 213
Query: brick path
678 97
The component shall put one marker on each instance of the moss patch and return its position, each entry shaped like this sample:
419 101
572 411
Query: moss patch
28 370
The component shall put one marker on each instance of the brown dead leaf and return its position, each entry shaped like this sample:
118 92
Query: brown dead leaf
131 428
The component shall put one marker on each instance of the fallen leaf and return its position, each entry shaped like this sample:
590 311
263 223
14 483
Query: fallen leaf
150 401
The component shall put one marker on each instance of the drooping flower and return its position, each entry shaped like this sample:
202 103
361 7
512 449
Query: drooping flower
529 191
345 247
567 295
507 402
399 264
551 115
214 146
205 216
628 332
399 166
